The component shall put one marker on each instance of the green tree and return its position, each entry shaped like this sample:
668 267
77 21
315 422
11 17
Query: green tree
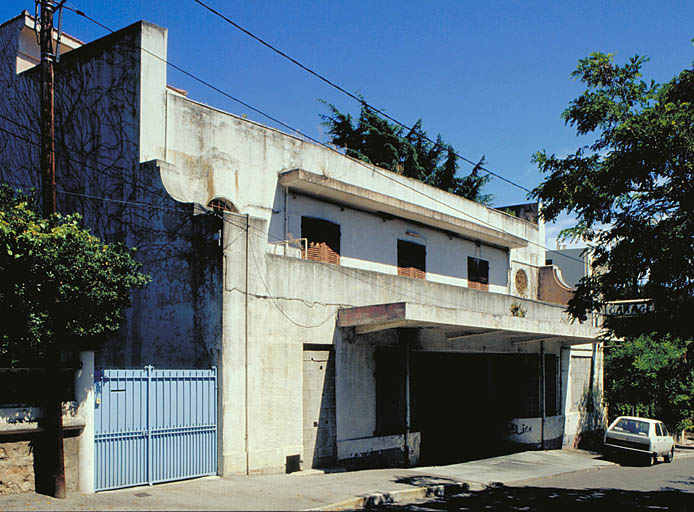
651 378
632 192
375 140
61 288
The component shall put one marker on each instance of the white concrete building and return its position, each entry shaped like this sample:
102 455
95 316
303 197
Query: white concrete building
357 317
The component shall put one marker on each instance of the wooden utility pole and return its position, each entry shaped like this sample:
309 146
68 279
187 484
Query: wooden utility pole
47 107
54 406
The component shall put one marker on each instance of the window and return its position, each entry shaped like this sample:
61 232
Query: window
411 259
220 205
665 432
477 273
658 430
323 239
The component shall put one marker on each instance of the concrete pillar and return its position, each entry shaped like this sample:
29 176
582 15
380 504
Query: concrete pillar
84 391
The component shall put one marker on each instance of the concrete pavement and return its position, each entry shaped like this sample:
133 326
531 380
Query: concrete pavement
316 489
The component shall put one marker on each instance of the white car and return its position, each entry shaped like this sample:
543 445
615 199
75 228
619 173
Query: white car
630 434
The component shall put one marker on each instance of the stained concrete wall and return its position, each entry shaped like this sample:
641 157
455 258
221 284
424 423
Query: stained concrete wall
275 304
257 309
110 115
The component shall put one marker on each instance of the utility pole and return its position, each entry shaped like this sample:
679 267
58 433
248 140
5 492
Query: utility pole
47 106
53 413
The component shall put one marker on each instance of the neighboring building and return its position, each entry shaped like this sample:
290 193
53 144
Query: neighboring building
574 263
355 315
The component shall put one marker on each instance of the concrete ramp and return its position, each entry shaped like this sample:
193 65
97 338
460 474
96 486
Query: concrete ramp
518 466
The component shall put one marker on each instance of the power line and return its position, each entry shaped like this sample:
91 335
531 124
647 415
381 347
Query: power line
67 155
372 168
356 98
335 268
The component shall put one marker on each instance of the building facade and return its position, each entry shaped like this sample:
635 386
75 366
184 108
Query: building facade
354 315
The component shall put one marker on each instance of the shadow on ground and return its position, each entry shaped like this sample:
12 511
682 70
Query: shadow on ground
501 498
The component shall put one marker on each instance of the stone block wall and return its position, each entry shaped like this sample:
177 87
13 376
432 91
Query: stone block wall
20 460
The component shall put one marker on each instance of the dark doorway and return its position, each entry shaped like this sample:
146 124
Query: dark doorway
462 403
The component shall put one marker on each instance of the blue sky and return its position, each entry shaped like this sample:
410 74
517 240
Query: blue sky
492 77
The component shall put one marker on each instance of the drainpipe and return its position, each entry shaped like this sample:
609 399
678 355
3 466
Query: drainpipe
542 394
286 216
245 359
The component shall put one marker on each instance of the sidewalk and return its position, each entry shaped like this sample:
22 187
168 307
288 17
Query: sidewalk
315 489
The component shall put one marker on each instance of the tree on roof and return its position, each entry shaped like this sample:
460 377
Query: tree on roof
373 139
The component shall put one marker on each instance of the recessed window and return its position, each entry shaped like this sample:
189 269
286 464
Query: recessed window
477 273
219 206
323 239
411 259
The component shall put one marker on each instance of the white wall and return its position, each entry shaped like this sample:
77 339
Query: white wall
370 243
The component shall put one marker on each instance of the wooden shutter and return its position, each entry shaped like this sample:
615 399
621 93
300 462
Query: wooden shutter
323 240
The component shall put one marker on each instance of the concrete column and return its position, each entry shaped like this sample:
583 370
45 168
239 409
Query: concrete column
84 391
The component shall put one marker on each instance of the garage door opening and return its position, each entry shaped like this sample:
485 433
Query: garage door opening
463 403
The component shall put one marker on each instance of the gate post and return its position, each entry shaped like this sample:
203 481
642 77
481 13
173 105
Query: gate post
84 394
149 423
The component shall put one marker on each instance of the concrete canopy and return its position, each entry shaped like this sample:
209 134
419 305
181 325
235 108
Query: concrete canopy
337 191
460 324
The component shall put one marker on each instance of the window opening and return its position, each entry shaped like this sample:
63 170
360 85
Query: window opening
411 259
219 206
477 273
323 239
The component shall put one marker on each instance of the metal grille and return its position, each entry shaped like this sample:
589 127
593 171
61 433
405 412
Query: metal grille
154 426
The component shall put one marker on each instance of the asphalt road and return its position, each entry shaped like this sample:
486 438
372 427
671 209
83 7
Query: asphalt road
625 487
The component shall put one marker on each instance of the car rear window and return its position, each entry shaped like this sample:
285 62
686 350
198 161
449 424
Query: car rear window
632 427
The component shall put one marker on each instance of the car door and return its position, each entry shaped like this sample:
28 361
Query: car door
668 443
661 441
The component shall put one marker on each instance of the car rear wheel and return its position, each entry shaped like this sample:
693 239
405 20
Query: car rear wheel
671 455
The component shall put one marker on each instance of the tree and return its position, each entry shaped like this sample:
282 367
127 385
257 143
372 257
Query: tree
61 288
411 153
632 191
651 378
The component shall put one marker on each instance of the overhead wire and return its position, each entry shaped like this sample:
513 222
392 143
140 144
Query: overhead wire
347 271
68 155
372 168
361 101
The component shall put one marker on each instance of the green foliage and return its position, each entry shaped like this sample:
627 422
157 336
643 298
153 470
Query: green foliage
650 377
632 191
61 288
373 139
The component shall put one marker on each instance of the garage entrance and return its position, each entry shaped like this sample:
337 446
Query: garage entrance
460 403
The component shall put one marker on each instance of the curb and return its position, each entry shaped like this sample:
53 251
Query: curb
403 495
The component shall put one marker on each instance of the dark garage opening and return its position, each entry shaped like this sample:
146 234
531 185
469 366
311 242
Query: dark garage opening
462 403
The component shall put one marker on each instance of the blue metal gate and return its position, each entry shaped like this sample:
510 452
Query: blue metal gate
154 426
